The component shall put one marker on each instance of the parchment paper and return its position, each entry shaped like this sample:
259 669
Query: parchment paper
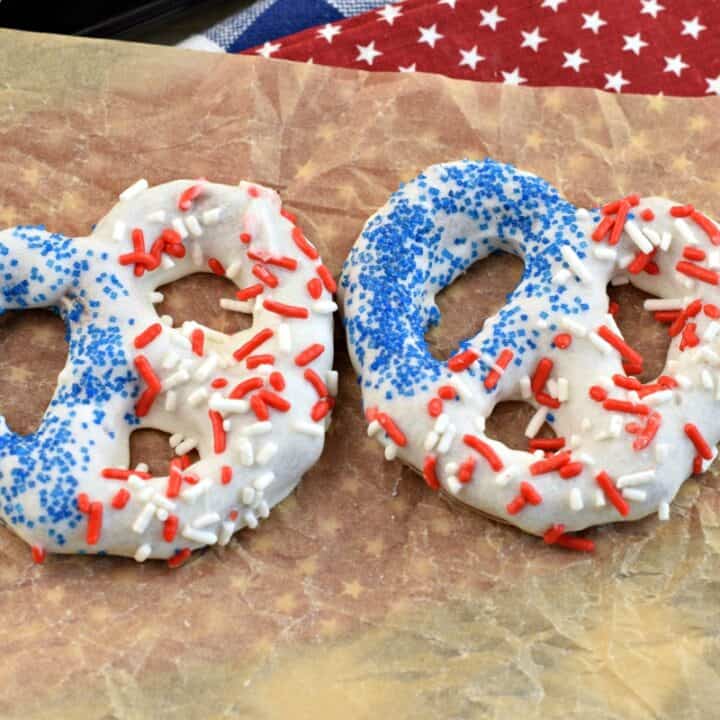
365 595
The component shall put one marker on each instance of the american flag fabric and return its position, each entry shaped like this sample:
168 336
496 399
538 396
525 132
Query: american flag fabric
640 46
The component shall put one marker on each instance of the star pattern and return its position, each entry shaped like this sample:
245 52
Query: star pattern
639 46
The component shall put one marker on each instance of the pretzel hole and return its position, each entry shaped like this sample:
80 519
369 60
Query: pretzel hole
152 447
508 421
33 350
640 329
197 297
474 296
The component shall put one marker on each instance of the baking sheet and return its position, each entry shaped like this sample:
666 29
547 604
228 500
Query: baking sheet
364 594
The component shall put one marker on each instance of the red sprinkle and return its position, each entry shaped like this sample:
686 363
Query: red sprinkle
667 316
502 361
429 472
320 409
249 292
541 374
712 311
170 528
640 262
597 393
466 469
708 226
648 434
530 494
186 198
575 543
314 288
179 558
619 222
612 493
485 450
698 441
288 215
392 430
253 192
327 279
691 252
219 439
303 244
553 533
218 383
697 465
515 505
620 345
652 268
122 474
226 474
216 266
632 368
274 400
244 387
258 406
435 407
147 335
556 443
613 308
627 383
292 311
699 273
570 470
262 273
147 398
38 554
551 464
245 238
120 499
462 360
546 399
254 360
83 502
310 353
647 214
197 341
689 336
447 392
316 381
625 406
603 228
277 381
682 210
282 261
95 518
253 344
563 341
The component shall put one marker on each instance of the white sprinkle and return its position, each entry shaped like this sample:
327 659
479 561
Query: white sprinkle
576 501
171 401
162 514
480 423
505 476
686 282
683 381
266 453
711 331
197 396
135 189
324 307
247 495
373 428
208 366
562 389
316 429
663 510
166 320
170 360
136 482
536 422
586 458
263 481
619 280
451 468
441 424
575 442
637 236
573 327
662 450
636 478
562 276
226 532
118 230
196 254
179 227
233 269
209 518
390 451
446 440
227 425
263 509
462 388
430 440
685 231
599 498
707 379
177 378
453 485
250 520
552 387
167 263
583 214
602 252
157 216
259 428
143 519
625 260
186 446
658 398
586 424
143 553
192 492
525 387
331 380
713 259
142 467
599 343
193 226
239 306
202 537
634 494
616 426
575 263
541 324
653 236
175 440
245 450
155 297
653 304
212 216
163 502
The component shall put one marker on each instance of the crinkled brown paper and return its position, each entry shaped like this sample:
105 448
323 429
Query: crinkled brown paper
364 595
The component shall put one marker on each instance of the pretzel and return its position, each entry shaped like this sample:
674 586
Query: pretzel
622 447
254 405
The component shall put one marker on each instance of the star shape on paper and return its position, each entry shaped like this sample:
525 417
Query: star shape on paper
429 35
553 4
491 19
329 31
389 13
574 60
634 43
532 39
681 163
692 27
651 7
675 65
534 140
513 78
268 49
367 53
698 123
713 85
354 589
593 22
451 3
615 82
470 57
657 102
407 68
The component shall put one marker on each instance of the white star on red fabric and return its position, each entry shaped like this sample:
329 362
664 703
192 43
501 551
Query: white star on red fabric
367 53
491 19
651 7
553 4
407 68
451 3
329 32
513 78
470 58
429 35
593 22
268 49
389 13
633 43
532 39
675 65
692 27
574 60
615 82
713 85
